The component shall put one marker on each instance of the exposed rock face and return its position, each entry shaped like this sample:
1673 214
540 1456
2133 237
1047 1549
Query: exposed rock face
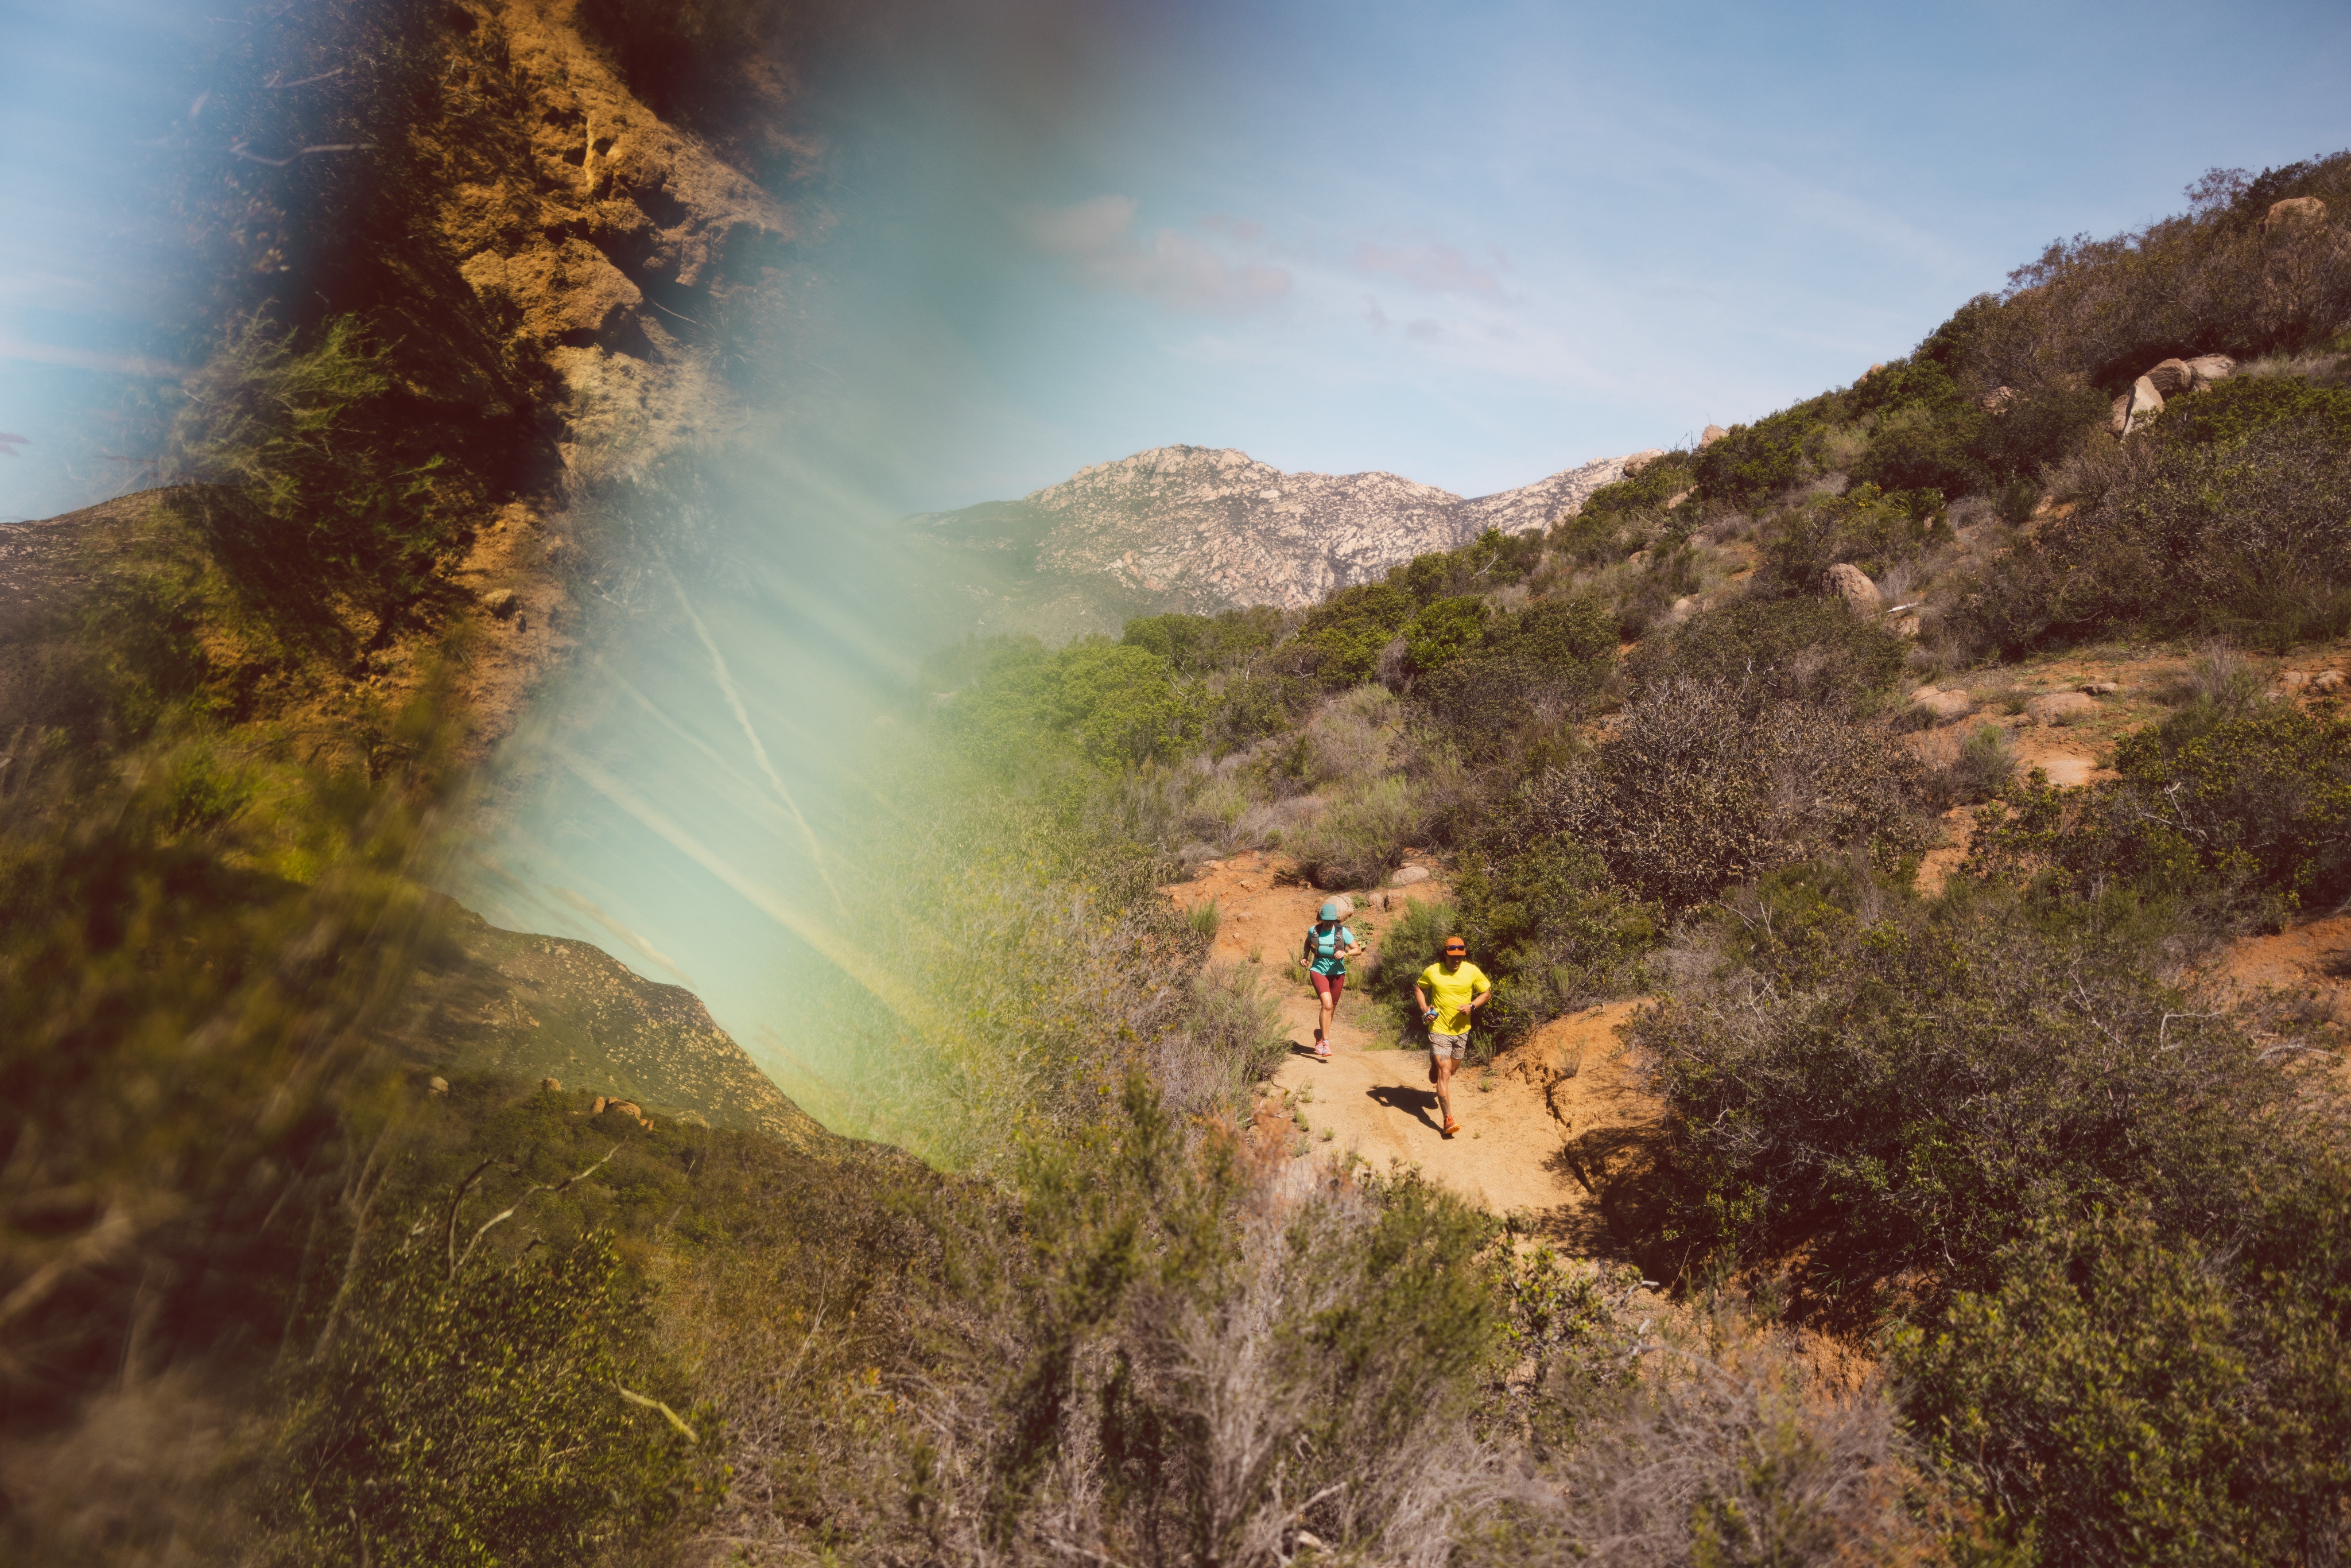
1199 528
1710 435
1996 400
2133 407
2293 210
1948 707
2209 368
2171 378
608 245
1851 584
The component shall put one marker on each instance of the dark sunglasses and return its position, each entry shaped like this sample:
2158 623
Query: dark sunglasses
1455 952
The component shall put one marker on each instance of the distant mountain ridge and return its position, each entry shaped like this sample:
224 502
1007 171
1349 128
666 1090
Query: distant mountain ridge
1202 529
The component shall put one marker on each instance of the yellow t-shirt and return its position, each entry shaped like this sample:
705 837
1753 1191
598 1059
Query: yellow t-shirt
1450 994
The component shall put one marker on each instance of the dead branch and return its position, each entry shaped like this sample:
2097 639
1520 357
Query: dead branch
528 1193
657 1405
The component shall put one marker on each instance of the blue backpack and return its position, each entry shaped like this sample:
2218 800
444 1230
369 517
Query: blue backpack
1319 943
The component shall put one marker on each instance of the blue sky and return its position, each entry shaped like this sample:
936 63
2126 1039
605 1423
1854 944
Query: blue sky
1477 244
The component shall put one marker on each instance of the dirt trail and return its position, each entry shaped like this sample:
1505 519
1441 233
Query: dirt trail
1526 1131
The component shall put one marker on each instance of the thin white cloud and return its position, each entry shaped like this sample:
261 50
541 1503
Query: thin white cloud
1097 244
11 348
1431 268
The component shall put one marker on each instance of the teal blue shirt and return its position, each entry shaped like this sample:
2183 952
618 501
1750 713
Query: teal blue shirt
1329 962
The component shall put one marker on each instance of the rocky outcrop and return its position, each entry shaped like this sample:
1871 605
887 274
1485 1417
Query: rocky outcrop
1947 707
1200 528
1851 584
2171 378
2206 369
2134 407
610 246
1710 435
2292 211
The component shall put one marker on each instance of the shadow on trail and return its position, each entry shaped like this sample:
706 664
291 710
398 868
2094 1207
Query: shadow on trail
1420 1102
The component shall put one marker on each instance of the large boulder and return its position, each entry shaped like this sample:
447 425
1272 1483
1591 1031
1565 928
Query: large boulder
2206 369
2134 407
1851 584
1948 707
1710 435
2171 378
1408 876
2293 211
1640 460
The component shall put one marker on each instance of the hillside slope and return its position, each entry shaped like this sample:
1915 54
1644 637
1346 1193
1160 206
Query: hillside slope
531 1007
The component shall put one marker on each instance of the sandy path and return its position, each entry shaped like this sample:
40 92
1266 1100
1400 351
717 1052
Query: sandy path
1525 1131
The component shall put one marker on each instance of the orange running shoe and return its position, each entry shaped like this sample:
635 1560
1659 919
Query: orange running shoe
1451 1126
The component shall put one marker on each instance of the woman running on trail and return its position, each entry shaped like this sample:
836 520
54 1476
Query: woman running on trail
1329 945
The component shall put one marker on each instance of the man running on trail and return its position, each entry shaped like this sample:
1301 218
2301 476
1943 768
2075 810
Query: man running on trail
1448 991
1329 945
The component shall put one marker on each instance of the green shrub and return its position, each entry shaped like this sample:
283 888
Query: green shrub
1806 650
1894 1093
1617 520
2250 536
1115 705
1238 710
1545 917
1669 575
1341 638
2249 814
2127 1394
1491 560
1441 631
1195 644
1870 529
1540 668
2245 405
483 1415
1927 455
313 493
1984 769
2208 281
1696 788
1753 462
1362 834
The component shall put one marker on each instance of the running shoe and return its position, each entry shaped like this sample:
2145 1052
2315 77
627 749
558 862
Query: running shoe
1322 1050
1451 1126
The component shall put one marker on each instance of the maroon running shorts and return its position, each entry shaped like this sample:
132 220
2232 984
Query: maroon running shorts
1329 984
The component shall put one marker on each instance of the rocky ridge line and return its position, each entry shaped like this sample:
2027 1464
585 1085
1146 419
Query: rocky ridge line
1209 529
